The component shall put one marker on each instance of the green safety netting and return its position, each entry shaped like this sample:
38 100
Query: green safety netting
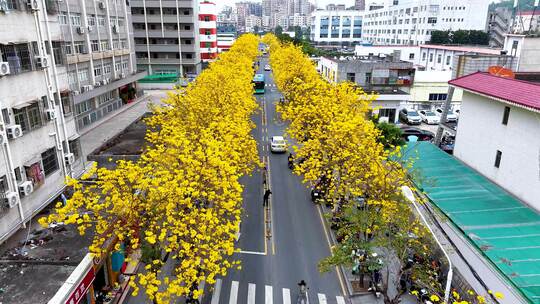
160 78
502 228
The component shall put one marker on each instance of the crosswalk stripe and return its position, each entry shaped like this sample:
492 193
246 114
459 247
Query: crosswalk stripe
217 291
251 294
322 298
286 296
234 292
268 297
340 300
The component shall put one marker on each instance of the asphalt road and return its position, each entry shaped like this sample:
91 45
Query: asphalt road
272 267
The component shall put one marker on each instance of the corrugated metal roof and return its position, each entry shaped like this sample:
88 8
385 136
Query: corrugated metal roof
503 229
519 92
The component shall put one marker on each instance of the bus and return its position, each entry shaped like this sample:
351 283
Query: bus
258 83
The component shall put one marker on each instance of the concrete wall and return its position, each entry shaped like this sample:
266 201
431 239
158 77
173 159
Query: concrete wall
431 82
406 51
481 134
529 59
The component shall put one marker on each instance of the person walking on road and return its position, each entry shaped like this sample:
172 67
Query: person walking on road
266 197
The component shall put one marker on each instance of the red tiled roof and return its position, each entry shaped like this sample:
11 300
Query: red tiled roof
518 92
526 13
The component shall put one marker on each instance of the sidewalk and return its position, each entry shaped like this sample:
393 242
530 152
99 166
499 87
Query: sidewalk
97 134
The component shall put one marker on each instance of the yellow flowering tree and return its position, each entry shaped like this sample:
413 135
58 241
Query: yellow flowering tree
342 155
183 197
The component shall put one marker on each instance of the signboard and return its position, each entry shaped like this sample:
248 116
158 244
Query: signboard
79 292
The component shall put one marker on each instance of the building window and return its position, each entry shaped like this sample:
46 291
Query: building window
411 55
101 20
75 19
97 70
62 19
29 118
505 115
72 78
83 75
68 48
351 77
50 161
66 104
424 54
79 48
18 57
439 58
91 20
432 20
437 96
74 147
368 78
95 45
107 68
498 159
430 57
448 58
5 116
104 45
206 18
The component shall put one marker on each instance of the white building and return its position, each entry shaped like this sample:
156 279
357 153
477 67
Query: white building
410 22
442 57
336 27
498 132
528 21
299 20
430 90
406 53
253 22
526 49
208 31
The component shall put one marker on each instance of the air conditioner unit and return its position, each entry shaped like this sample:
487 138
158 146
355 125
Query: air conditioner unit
51 114
4 69
80 30
90 28
102 5
26 188
3 138
33 5
14 131
42 61
69 158
76 92
123 75
12 199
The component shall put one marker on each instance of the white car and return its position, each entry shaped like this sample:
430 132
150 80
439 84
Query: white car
267 67
450 116
277 144
429 117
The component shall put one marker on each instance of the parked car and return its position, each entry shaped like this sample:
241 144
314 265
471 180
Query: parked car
422 135
450 116
410 116
429 117
277 144
267 67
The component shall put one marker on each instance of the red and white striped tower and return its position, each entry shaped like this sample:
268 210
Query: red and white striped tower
208 30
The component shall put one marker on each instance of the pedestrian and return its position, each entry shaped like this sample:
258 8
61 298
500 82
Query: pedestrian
266 197
264 176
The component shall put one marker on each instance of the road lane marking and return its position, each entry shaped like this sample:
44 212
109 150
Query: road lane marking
322 298
268 297
270 206
234 292
217 292
340 300
251 294
338 273
286 296
252 252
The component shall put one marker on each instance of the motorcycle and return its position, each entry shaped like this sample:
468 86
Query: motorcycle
376 284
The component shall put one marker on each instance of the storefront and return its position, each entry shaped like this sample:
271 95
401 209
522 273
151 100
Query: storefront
78 288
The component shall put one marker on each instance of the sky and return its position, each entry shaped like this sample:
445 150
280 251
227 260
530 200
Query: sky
320 3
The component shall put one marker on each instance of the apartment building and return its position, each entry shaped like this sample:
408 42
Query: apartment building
411 22
99 57
64 65
336 26
167 36
389 78
208 31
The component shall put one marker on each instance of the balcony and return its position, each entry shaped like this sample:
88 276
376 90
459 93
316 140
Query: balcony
108 87
166 19
162 3
176 61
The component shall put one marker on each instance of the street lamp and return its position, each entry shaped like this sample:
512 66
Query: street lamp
407 192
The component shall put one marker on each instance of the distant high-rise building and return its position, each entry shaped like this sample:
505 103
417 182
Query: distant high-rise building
360 5
208 31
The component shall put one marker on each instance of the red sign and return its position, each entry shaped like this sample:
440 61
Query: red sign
82 288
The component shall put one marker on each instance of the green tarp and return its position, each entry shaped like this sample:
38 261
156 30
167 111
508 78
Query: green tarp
503 228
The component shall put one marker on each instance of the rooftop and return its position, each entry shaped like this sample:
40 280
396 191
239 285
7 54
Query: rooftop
463 48
31 272
516 92
502 228
529 13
